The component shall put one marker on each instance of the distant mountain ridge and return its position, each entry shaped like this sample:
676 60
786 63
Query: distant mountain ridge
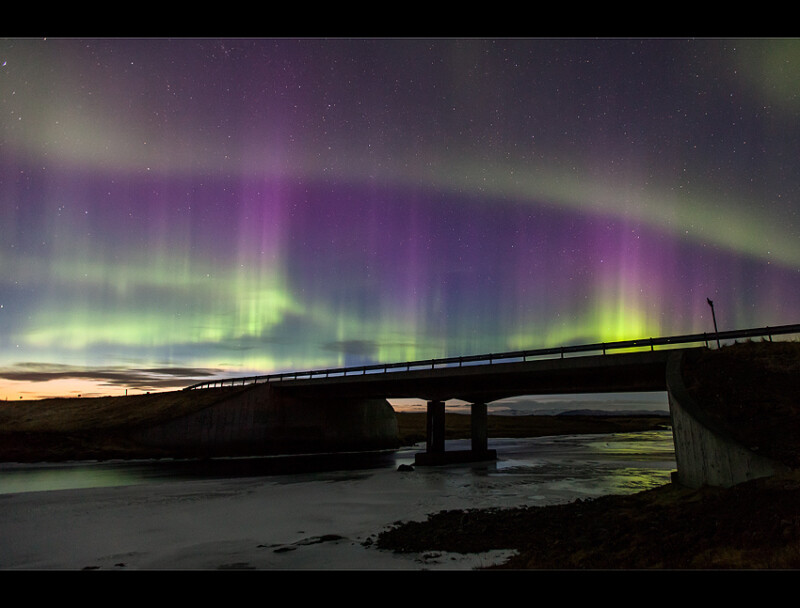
591 412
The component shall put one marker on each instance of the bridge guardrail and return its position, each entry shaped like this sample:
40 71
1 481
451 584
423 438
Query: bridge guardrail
493 358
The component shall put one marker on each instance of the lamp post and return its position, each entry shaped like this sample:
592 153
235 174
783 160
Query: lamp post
714 316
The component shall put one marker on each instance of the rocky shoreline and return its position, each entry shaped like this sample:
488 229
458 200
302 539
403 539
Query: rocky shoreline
754 525
751 390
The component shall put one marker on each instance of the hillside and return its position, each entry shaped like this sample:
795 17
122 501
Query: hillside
93 427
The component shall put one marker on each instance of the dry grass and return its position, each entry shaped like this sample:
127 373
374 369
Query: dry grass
751 392
67 415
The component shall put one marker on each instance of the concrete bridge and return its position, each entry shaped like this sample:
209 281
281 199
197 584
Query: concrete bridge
624 366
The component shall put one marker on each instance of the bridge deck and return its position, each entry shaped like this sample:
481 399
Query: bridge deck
492 376
481 379
644 371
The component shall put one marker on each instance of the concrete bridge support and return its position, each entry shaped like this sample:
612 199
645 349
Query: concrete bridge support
435 429
260 419
435 453
479 421
706 453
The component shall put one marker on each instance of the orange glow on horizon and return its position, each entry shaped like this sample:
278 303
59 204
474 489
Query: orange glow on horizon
16 391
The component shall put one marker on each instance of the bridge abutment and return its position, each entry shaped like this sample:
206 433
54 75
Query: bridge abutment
706 453
435 453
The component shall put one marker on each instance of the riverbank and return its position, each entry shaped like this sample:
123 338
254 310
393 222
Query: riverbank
754 525
752 391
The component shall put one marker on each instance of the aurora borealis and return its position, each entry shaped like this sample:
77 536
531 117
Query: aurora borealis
174 210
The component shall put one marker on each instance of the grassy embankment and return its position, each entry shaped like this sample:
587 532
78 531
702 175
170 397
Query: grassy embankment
92 427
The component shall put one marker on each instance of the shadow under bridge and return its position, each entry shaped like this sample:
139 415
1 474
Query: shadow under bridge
634 366
479 385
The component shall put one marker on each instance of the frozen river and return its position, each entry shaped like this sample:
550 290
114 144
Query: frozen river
252 514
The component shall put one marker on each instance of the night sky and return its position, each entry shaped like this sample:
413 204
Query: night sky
174 210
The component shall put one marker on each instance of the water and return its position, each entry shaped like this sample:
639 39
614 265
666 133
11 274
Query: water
17 477
601 464
296 513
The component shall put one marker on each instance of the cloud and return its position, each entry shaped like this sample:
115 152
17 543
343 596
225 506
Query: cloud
147 378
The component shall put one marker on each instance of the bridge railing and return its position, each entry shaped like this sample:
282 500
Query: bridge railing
496 358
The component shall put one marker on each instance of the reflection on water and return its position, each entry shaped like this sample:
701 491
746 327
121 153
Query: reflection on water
590 465
16 477
32 478
539 467
651 445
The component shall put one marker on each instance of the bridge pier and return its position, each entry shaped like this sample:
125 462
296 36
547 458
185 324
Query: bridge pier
479 422
435 427
435 453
